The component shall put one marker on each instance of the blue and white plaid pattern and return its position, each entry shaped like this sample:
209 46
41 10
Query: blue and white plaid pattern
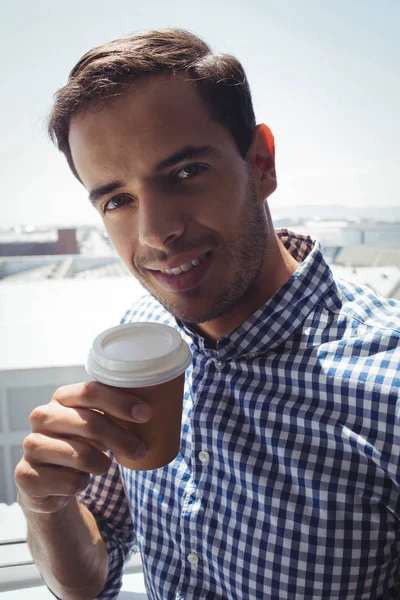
287 483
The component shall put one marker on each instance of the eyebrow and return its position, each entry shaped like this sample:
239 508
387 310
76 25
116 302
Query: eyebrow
185 153
103 190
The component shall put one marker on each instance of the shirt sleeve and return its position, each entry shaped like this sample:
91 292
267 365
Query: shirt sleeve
105 498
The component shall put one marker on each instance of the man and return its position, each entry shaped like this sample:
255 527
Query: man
287 481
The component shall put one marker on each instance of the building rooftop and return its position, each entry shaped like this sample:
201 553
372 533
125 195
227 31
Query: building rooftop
383 280
367 255
35 268
15 236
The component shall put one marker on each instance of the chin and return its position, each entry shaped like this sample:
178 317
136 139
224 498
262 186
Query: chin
185 311
201 310
195 306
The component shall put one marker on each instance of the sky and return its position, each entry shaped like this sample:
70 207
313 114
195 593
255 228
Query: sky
325 76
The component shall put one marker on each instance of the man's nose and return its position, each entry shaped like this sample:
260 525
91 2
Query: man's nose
160 221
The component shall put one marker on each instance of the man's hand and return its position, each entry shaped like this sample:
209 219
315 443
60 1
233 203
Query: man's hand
69 439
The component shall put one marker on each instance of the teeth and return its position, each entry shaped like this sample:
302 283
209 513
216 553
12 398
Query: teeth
185 267
177 270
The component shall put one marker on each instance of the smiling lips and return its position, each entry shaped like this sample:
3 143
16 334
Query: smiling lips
185 267
184 277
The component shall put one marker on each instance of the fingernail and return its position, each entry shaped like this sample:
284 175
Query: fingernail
141 412
140 452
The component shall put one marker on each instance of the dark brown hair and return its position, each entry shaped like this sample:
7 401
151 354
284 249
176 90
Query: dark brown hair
103 72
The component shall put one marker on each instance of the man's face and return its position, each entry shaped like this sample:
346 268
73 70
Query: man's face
177 199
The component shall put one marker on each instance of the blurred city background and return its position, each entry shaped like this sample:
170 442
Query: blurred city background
361 245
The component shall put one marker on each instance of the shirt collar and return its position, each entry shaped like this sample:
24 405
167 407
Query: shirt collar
275 321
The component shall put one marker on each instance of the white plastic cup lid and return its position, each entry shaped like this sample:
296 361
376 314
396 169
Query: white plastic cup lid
138 355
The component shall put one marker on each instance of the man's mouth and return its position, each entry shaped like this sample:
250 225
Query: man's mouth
185 276
186 266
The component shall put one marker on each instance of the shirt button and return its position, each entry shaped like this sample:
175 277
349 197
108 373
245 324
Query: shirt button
193 559
219 365
204 457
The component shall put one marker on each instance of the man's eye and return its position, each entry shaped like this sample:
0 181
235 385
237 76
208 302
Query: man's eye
116 202
188 172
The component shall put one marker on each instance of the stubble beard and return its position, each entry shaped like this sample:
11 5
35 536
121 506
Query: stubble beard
248 252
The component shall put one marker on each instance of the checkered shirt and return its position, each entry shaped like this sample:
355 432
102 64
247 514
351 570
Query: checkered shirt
287 482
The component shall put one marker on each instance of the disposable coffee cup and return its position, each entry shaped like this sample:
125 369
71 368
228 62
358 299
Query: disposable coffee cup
152 359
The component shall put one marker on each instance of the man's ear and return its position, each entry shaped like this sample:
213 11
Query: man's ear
261 156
